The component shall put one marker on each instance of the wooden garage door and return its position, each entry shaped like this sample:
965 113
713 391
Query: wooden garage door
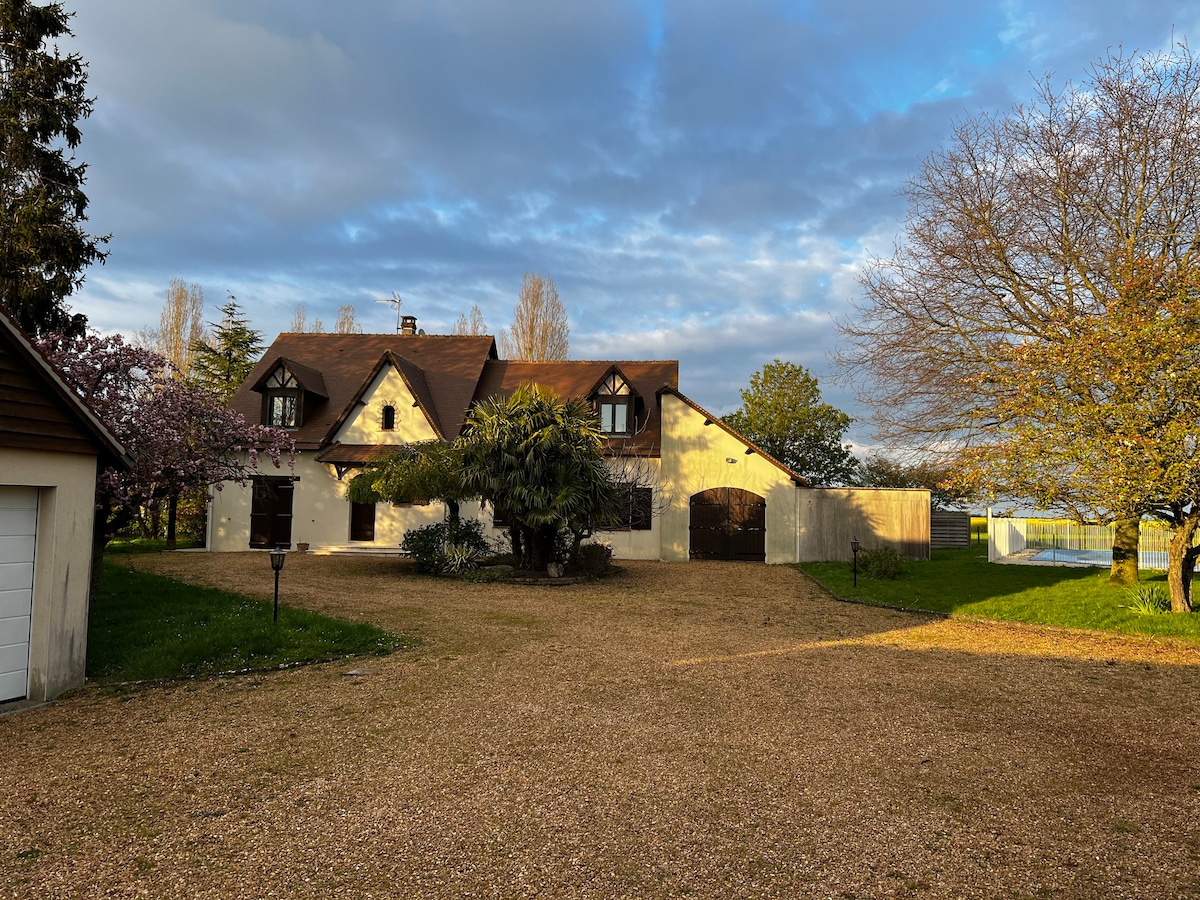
18 527
728 523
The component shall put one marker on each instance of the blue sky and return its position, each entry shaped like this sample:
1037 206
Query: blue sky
703 180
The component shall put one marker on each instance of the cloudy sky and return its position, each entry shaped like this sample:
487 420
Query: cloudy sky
703 180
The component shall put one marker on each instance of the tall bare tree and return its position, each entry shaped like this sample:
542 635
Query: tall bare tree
1022 232
301 325
346 322
539 330
180 326
474 325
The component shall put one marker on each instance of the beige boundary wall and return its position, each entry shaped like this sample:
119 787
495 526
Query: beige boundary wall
831 517
62 565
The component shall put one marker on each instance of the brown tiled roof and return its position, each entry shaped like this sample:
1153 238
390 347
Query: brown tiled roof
355 453
443 371
578 378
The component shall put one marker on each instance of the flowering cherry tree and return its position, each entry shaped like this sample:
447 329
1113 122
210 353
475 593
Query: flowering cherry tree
183 437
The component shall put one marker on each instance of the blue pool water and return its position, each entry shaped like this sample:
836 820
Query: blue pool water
1156 560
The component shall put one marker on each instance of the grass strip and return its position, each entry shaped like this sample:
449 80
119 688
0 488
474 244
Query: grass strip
963 582
146 626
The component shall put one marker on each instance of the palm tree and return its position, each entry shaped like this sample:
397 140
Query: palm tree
538 458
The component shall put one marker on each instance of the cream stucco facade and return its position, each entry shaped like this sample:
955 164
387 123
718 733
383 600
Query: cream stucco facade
697 455
66 499
697 464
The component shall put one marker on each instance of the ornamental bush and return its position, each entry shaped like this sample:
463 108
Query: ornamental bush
881 564
592 560
445 546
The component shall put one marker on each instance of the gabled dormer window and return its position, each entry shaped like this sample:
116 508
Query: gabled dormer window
614 403
281 400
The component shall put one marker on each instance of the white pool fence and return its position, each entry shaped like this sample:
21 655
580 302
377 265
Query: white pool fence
1008 536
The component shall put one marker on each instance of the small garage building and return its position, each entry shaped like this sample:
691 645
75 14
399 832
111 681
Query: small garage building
51 449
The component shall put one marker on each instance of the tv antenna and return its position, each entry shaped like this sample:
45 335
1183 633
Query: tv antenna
396 302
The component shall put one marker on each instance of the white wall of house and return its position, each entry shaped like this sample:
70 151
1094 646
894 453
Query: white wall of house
321 513
626 542
66 490
697 457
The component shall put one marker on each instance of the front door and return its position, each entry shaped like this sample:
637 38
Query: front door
362 521
271 512
728 523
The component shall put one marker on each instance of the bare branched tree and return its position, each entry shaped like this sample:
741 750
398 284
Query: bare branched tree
1022 232
539 330
474 325
180 325
634 472
346 322
301 325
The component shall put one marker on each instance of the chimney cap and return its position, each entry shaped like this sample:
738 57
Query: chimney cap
408 324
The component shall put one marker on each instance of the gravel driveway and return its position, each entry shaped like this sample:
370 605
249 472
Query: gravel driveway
699 730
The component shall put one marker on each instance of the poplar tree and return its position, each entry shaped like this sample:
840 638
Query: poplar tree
539 330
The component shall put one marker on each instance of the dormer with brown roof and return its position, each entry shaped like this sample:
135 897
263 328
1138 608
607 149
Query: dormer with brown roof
337 374
632 384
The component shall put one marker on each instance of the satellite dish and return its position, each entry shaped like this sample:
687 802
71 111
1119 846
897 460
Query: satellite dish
420 331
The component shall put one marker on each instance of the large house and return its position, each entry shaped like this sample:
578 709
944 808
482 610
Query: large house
349 398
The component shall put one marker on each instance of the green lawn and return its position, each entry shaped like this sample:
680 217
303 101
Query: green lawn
145 626
963 582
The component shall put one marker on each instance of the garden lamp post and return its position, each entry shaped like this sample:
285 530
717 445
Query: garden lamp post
278 555
854 548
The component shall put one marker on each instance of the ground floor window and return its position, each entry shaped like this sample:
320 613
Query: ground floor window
362 521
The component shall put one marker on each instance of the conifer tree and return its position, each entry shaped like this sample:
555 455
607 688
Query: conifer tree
223 362
43 246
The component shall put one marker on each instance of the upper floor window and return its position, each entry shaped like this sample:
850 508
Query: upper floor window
281 398
614 402
388 419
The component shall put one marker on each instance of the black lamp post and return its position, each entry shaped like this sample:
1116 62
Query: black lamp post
278 555
854 548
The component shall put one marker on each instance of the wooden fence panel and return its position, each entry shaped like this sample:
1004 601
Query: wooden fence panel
949 529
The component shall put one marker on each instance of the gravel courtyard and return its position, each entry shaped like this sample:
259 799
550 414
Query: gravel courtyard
690 730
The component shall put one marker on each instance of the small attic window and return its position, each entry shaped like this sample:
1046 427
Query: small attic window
614 403
388 420
282 399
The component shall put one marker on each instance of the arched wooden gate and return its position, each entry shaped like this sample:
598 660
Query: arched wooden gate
728 523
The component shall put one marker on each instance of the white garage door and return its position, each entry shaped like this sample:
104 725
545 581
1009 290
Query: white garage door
18 525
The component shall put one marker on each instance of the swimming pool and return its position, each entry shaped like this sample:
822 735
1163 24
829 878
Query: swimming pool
1146 560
